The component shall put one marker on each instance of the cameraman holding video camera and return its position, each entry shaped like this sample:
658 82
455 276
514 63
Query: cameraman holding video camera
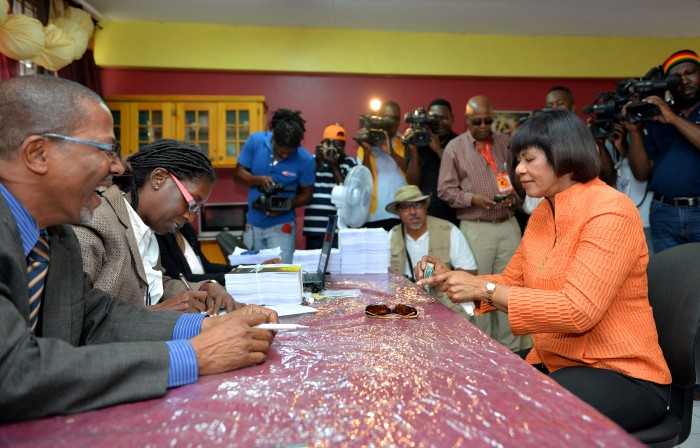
425 152
332 165
283 173
666 151
382 151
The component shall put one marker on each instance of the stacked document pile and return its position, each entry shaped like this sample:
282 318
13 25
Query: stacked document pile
364 251
242 256
266 284
308 259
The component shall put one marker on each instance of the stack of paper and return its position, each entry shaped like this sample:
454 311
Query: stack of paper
242 256
267 284
308 259
363 251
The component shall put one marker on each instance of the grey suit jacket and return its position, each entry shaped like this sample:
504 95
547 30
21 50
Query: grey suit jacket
111 255
87 356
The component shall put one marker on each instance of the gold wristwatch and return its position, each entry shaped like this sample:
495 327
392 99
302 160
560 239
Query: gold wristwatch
490 289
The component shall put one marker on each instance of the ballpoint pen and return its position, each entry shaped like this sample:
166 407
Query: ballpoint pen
184 282
281 326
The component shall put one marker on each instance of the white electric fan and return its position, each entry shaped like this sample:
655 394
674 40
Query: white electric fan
353 197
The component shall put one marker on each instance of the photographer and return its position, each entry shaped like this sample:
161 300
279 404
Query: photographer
385 159
669 156
424 159
332 165
283 173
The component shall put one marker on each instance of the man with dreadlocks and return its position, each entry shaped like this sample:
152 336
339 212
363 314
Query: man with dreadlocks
167 183
65 346
275 161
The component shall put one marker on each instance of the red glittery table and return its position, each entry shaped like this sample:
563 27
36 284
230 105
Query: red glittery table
353 381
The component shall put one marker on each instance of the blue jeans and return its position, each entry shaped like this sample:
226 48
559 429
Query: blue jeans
281 235
671 225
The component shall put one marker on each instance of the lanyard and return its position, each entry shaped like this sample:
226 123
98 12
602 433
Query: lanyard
488 156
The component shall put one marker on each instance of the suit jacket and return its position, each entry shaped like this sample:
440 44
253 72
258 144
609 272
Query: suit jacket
174 261
86 356
111 255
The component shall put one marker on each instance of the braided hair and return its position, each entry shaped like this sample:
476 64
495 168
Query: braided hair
287 127
184 160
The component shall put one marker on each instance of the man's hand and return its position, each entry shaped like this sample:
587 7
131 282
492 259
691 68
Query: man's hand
217 297
479 200
265 180
619 140
435 144
667 115
438 266
186 302
230 343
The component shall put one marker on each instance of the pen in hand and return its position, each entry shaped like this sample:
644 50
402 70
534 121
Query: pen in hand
188 287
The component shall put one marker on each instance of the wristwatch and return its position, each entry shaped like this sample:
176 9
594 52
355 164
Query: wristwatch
490 289
203 286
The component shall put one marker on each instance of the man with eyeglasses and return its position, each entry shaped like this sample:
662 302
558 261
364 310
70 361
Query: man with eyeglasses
475 179
67 347
419 235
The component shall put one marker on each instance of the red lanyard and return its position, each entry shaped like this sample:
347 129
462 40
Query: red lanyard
488 156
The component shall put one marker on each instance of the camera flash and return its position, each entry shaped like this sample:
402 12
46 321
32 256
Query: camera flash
375 104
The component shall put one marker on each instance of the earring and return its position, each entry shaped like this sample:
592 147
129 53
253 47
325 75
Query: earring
157 186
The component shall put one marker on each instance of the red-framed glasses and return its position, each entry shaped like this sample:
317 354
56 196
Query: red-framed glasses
194 208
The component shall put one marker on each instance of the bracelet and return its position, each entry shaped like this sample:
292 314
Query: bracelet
490 289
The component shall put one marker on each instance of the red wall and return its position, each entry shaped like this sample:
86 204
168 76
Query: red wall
341 98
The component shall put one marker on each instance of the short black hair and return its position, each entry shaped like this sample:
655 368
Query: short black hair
566 90
287 127
565 140
441 102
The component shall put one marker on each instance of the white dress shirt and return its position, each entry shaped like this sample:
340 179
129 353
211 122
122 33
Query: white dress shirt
149 251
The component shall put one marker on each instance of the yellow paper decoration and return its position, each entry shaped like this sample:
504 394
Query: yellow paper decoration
58 50
21 37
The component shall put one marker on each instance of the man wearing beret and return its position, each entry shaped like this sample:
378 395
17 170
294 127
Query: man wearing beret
667 153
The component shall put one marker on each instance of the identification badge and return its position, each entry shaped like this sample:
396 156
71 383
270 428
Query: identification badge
504 185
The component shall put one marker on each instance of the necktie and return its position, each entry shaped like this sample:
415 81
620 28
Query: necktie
37 266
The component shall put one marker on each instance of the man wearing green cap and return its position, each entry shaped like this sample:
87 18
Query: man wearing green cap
666 151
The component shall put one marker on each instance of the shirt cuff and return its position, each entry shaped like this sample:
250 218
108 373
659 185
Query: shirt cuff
188 326
183 368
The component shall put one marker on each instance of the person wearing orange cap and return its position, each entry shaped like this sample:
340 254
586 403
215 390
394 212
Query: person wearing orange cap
332 165
666 151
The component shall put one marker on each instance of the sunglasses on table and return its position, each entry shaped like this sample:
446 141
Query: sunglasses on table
479 121
384 311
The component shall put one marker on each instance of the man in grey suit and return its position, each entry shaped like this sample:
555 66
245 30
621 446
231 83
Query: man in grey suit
80 349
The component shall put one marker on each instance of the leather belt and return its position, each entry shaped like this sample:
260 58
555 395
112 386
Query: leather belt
494 221
678 202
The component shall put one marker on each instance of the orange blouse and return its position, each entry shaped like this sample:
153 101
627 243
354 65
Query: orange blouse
579 285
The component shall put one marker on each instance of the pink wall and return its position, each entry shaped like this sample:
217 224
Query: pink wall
341 98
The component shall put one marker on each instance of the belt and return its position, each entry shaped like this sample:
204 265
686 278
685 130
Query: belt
494 221
678 202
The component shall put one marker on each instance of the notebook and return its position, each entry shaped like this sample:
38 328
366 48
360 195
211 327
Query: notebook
316 280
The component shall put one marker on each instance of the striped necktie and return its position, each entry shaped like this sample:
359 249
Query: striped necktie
37 266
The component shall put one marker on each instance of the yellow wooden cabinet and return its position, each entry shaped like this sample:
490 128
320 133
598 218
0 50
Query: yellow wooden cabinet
219 125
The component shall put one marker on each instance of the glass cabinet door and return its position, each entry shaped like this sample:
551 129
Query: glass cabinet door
120 116
151 122
196 124
239 121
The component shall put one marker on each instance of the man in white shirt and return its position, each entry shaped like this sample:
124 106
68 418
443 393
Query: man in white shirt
419 235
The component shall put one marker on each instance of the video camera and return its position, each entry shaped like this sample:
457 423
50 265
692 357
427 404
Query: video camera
330 149
607 106
421 123
268 201
376 125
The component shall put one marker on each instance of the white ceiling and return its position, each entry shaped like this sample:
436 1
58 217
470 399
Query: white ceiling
643 18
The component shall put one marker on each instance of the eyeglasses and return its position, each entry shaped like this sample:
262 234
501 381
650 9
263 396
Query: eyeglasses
385 311
194 208
410 205
114 149
479 121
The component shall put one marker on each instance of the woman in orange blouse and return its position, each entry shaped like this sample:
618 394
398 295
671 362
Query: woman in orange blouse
577 283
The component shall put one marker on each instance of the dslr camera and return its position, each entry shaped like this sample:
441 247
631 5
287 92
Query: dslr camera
607 107
269 201
330 149
421 123
375 125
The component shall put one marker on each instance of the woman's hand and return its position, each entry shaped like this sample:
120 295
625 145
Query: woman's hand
458 286
438 266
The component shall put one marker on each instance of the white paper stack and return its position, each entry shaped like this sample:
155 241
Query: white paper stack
308 259
266 284
363 251
256 257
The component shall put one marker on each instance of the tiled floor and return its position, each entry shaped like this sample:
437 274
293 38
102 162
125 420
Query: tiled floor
694 438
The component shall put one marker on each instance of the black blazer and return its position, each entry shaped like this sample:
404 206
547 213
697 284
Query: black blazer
174 262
